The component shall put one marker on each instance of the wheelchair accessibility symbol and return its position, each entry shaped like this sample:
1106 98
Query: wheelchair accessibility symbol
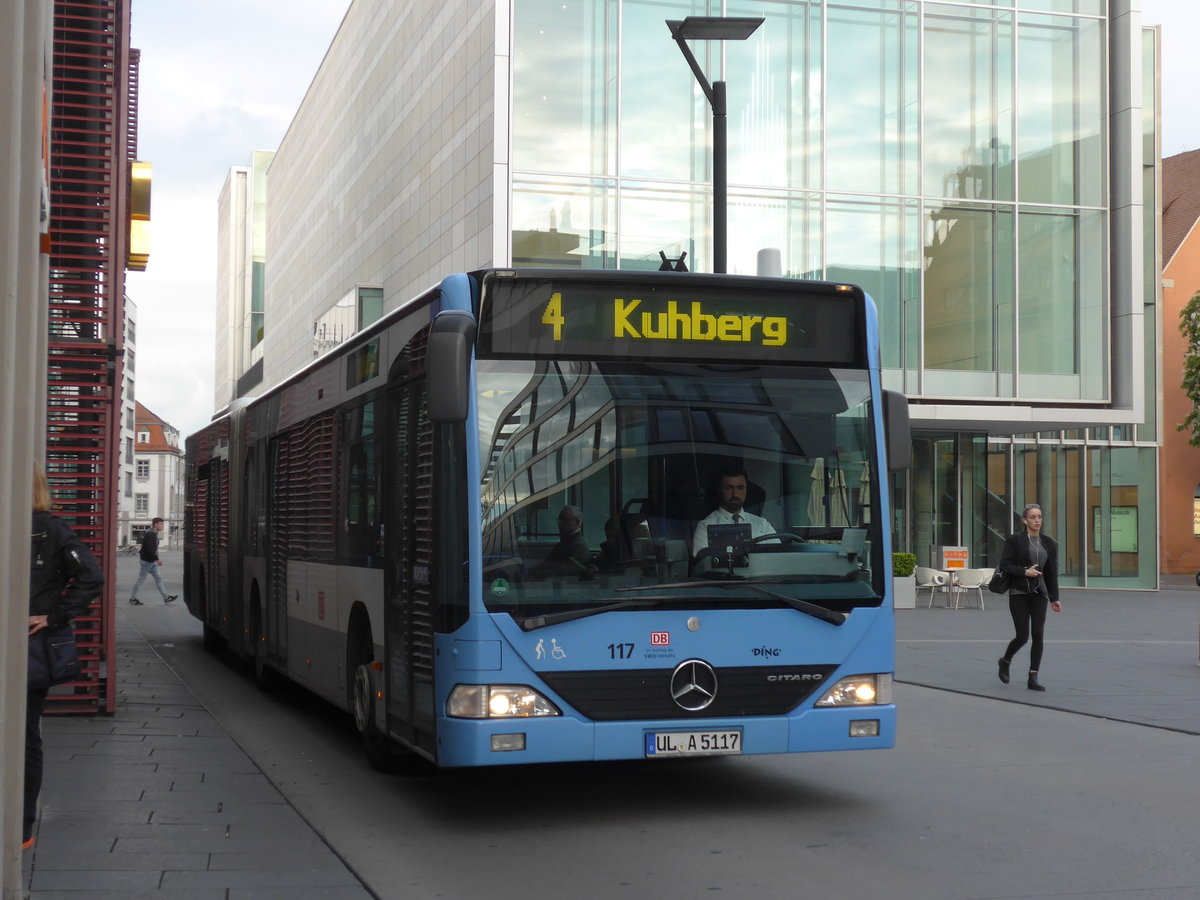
556 651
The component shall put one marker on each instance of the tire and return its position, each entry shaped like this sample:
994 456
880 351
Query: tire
378 747
214 643
376 744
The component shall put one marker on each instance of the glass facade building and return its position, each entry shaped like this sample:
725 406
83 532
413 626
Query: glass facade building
961 161
986 171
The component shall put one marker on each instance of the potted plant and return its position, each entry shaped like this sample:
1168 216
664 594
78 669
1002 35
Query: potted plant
904 582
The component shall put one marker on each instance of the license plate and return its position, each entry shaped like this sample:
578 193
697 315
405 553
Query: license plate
693 743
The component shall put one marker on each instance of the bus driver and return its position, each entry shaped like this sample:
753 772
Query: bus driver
731 490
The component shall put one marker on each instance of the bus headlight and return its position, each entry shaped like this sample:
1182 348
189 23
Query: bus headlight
859 690
498 701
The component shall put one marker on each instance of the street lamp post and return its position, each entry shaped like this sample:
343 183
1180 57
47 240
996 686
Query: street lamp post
714 28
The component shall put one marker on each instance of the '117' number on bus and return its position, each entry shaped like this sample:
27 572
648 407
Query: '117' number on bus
620 651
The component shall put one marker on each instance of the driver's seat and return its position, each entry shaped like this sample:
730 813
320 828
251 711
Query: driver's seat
756 497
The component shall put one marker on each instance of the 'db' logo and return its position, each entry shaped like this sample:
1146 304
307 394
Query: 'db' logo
660 638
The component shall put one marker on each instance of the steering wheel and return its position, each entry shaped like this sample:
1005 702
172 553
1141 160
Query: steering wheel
780 536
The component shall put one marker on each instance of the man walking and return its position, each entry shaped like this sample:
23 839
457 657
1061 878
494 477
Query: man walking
150 563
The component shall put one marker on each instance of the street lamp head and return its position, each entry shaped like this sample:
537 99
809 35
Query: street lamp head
714 28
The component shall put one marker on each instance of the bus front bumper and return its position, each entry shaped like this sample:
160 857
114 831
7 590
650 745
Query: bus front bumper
493 742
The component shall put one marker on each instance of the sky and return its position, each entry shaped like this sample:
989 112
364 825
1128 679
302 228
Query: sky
218 80
222 78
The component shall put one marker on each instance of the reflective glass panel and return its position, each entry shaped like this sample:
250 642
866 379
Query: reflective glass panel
789 223
774 91
673 220
968 288
876 246
1061 129
665 117
1061 300
1087 7
564 86
561 222
968 109
871 100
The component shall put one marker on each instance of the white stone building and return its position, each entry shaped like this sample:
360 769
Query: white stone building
157 479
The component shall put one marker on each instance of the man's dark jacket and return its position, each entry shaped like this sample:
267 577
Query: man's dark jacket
149 552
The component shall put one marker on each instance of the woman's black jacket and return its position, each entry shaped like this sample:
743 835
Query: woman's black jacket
65 578
1017 557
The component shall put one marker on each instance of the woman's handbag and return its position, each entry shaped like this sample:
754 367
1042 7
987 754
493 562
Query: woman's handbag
53 657
999 582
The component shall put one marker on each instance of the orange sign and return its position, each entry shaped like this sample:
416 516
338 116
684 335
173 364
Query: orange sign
954 558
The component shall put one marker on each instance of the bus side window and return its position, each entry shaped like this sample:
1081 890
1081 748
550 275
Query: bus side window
363 536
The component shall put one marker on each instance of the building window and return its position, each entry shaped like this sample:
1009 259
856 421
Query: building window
370 305
141 504
143 468
143 437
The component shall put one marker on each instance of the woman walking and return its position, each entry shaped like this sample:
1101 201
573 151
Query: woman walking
1030 559
63 582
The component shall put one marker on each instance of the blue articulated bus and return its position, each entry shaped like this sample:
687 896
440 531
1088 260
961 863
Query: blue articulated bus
538 516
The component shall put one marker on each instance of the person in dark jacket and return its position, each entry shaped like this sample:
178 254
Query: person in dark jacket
150 563
570 556
1030 558
64 579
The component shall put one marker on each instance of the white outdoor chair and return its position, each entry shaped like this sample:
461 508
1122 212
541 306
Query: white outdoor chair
967 580
931 579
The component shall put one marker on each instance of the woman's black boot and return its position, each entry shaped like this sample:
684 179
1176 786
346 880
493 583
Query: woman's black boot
1004 669
1033 682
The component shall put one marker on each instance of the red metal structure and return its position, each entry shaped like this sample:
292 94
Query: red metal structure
91 143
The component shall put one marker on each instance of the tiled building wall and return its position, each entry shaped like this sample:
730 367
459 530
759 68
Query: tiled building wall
389 163
230 229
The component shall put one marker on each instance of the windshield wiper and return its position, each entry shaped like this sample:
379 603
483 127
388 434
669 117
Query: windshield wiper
813 609
534 622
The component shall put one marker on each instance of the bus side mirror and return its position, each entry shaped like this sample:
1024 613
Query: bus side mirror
448 366
898 431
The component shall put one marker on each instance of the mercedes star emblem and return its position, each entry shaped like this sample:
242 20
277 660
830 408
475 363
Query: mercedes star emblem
693 685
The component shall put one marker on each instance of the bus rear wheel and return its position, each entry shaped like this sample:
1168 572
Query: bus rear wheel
265 677
214 641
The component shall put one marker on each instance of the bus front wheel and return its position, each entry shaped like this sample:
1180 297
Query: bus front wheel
377 745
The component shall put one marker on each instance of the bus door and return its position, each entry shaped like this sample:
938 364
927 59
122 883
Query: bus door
409 569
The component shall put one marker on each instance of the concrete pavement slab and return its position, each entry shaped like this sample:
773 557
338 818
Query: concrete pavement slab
158 801
1126 655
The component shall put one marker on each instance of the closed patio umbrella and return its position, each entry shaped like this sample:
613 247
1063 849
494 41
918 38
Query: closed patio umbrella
864 493
816 495
839 499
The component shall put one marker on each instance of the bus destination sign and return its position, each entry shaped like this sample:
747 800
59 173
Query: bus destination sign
743 320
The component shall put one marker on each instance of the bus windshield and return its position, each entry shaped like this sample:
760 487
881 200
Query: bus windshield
676 484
